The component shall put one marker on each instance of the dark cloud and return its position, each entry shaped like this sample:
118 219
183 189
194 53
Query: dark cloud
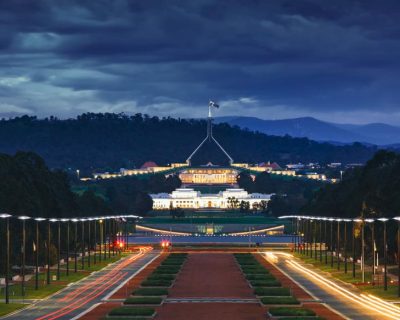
336 60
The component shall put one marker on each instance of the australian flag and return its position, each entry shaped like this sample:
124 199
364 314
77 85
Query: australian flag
213 104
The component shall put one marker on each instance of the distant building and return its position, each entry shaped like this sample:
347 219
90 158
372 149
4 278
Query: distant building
192 199
209 175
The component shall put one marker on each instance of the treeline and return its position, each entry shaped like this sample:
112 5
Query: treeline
290 194
131 194
110 141
370 191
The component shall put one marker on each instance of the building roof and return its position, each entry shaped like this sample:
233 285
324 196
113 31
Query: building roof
149 164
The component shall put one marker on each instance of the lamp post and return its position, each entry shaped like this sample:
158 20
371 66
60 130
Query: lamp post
89 242
58 245
7 267
354 248
320 240
37 253
23 219
101 237
75 221
48 250
67 221
384 252
345 244
326 240
95 240
338 244
109 238
398 255
83 243
331 242
373 247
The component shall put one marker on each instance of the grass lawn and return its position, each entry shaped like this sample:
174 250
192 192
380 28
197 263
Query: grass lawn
56 285
11 307
377 290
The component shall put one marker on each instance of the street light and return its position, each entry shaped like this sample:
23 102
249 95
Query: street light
331 242
385 252
75 221
345 243
338 243
23 219
37 253
398 255
83 243
373 247
7 216
67 221
58 246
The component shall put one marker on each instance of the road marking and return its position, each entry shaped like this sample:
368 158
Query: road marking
87 311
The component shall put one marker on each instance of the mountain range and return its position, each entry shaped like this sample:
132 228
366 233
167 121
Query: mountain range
375 133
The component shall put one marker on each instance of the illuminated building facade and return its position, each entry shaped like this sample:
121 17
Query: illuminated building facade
189 198
209 175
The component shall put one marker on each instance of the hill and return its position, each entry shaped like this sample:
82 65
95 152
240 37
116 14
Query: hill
110 141
373 190
374 133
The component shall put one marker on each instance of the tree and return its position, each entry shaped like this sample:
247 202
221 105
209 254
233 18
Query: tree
244 206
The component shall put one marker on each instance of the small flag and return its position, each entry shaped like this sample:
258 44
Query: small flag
213 104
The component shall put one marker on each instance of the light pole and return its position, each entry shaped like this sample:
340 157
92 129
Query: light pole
331 243
398 255
89 242
345 244
320 240
7 267
48 250
67 221
101 237
354 248
326 240
338 244
373 247
37 253
95 240
83 243
75 221
23 219
58 245
384 252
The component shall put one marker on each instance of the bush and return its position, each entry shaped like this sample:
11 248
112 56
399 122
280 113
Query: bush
160 276
162 270
279 300
132 311
255 271
143 300
260 277
151 292
277 292
156 283
282 311
265 283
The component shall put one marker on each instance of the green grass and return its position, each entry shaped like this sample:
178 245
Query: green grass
143 300
132 311
45 290
277 292
279 300
377 290
286 311
158 276
151 292
265 283
11 307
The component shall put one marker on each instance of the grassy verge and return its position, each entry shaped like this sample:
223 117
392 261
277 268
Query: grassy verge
378 290
11 307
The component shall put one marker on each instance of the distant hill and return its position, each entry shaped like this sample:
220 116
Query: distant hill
375 133
111 141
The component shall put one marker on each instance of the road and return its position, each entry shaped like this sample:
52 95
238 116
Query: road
342 297
80 296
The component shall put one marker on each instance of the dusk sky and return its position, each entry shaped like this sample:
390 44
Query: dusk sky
334 60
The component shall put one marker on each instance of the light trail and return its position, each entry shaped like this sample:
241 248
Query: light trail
370 303
94 288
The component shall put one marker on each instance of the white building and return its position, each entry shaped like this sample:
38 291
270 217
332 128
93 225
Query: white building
189 198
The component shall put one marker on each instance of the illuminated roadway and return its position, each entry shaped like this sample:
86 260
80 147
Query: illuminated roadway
72 301
339 296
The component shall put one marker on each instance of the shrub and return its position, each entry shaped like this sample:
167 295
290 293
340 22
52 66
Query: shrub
162 270
277 292
265 283
260 277
132 311
282 311
156 283
160 276
255 271
279 300
151 292
143 300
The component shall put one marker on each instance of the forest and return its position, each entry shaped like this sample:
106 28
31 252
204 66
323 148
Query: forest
107 142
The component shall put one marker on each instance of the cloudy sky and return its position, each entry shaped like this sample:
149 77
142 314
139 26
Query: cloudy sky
333 60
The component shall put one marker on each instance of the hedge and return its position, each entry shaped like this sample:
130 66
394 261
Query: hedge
143 300
260 277
285 311
132 311
161 276
277 292
300 318
151 292
265 283
156 283
279 300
